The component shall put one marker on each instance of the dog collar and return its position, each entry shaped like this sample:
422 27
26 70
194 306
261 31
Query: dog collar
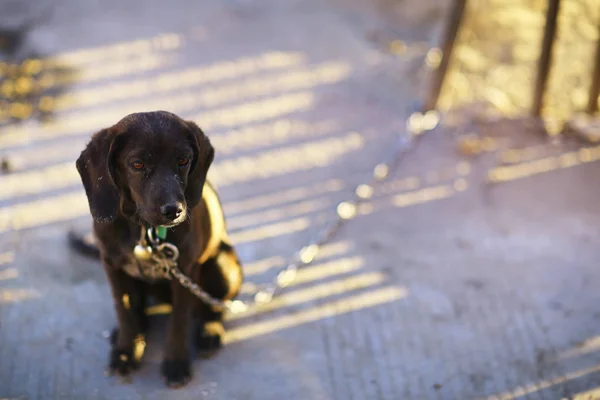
143 250
161 232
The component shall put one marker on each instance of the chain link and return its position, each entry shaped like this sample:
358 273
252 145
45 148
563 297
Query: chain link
166 262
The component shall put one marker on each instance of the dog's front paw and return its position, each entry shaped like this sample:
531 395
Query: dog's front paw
177 373
210 338
121 362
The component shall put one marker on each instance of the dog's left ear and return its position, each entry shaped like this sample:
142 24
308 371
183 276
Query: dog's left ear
96 169
204 153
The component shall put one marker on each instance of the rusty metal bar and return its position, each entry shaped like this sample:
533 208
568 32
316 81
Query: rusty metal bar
456 15
595 86
545 56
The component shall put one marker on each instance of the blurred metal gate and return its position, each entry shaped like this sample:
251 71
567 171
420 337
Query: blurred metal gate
523 57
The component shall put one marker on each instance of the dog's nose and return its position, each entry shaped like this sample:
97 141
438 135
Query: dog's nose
172 211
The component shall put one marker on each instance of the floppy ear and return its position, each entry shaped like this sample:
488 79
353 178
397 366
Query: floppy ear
204 153
96 168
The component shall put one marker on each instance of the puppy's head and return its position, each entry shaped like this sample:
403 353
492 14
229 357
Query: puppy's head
150 166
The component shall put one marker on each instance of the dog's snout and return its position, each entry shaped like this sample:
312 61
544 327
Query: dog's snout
172 211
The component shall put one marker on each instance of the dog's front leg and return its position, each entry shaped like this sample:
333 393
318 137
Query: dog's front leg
176 364
129 299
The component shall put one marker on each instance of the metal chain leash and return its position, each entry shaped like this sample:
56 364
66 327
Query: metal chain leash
165 257
417 124
166 254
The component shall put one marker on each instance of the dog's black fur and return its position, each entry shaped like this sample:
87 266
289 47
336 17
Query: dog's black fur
130 172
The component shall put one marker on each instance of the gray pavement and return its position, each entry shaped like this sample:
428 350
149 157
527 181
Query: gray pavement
445 286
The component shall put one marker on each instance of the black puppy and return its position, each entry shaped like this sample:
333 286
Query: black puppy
149 170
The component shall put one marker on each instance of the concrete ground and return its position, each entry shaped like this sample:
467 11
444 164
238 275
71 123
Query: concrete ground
462 278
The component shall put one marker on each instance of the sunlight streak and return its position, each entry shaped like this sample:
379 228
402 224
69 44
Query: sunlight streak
264 265
328 269
44 211
543 384
250 137
270 231
38 181
285 160
327 310
16 295
543 165
282 197
92 55
329 289
9 273
87 122
590 345
423 196
273 214
211 96
113 69
7 257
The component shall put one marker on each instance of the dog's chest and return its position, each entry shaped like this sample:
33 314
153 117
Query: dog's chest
146 270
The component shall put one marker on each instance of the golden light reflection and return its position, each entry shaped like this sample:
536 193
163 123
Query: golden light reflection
328 269
364 191
590 345
91 121
8 296
433 58
544 384
7 257
327 310
45 211
305 207
285 160
162 42
410 183
113 69
9 273
460 185
38 181
547 164
346 210
159 309
513 156
262 266
215 95
423 196
282 197
30 157
329 289
268 134
463 168
249 112
270 230
591 394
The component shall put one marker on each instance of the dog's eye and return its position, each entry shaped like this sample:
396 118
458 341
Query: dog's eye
183 161
138 165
